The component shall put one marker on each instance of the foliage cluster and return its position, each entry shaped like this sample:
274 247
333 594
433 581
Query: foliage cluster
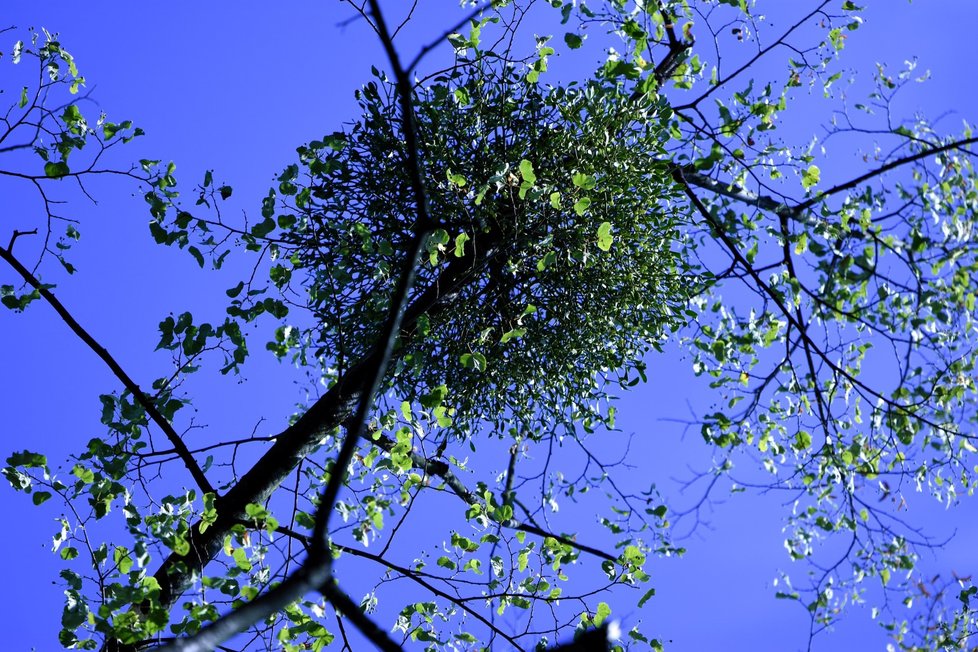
567 232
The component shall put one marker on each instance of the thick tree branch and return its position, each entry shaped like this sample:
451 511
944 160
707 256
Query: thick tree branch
677 48
328 413
331 591
316 571
310 576
742 195
422 229
366 399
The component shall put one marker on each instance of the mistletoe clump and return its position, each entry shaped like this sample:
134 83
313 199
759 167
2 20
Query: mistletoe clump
556 252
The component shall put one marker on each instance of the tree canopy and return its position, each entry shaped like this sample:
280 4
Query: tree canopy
465 276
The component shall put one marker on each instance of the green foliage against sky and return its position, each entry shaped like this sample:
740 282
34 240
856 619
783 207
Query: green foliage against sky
564 229
530 187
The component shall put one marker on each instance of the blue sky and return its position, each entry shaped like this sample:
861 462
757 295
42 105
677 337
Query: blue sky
236 91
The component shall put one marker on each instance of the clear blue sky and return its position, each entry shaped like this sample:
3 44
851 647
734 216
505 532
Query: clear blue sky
236 89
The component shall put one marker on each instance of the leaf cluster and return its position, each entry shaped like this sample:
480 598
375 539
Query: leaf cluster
555 265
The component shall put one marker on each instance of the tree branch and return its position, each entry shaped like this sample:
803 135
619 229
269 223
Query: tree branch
753 60
147 404
452 481
783 209
316 571
291 446
789 315
886 167
414 577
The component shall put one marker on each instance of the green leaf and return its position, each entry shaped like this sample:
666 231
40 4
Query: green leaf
263 228
445 562
633 555
40 497
209 516
604 610
256 512
604 236
802 244
195 252
435 397
460 241
547 260
240 556
645 598
529 178
83 474
236 290
516 333
110 129
837 38
582 205
456 179
27 459
803 441
56 170
475 361
584 181
573 41
180 545
463 543
810 177
122 558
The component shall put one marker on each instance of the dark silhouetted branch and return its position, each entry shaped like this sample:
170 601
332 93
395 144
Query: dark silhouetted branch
179 447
